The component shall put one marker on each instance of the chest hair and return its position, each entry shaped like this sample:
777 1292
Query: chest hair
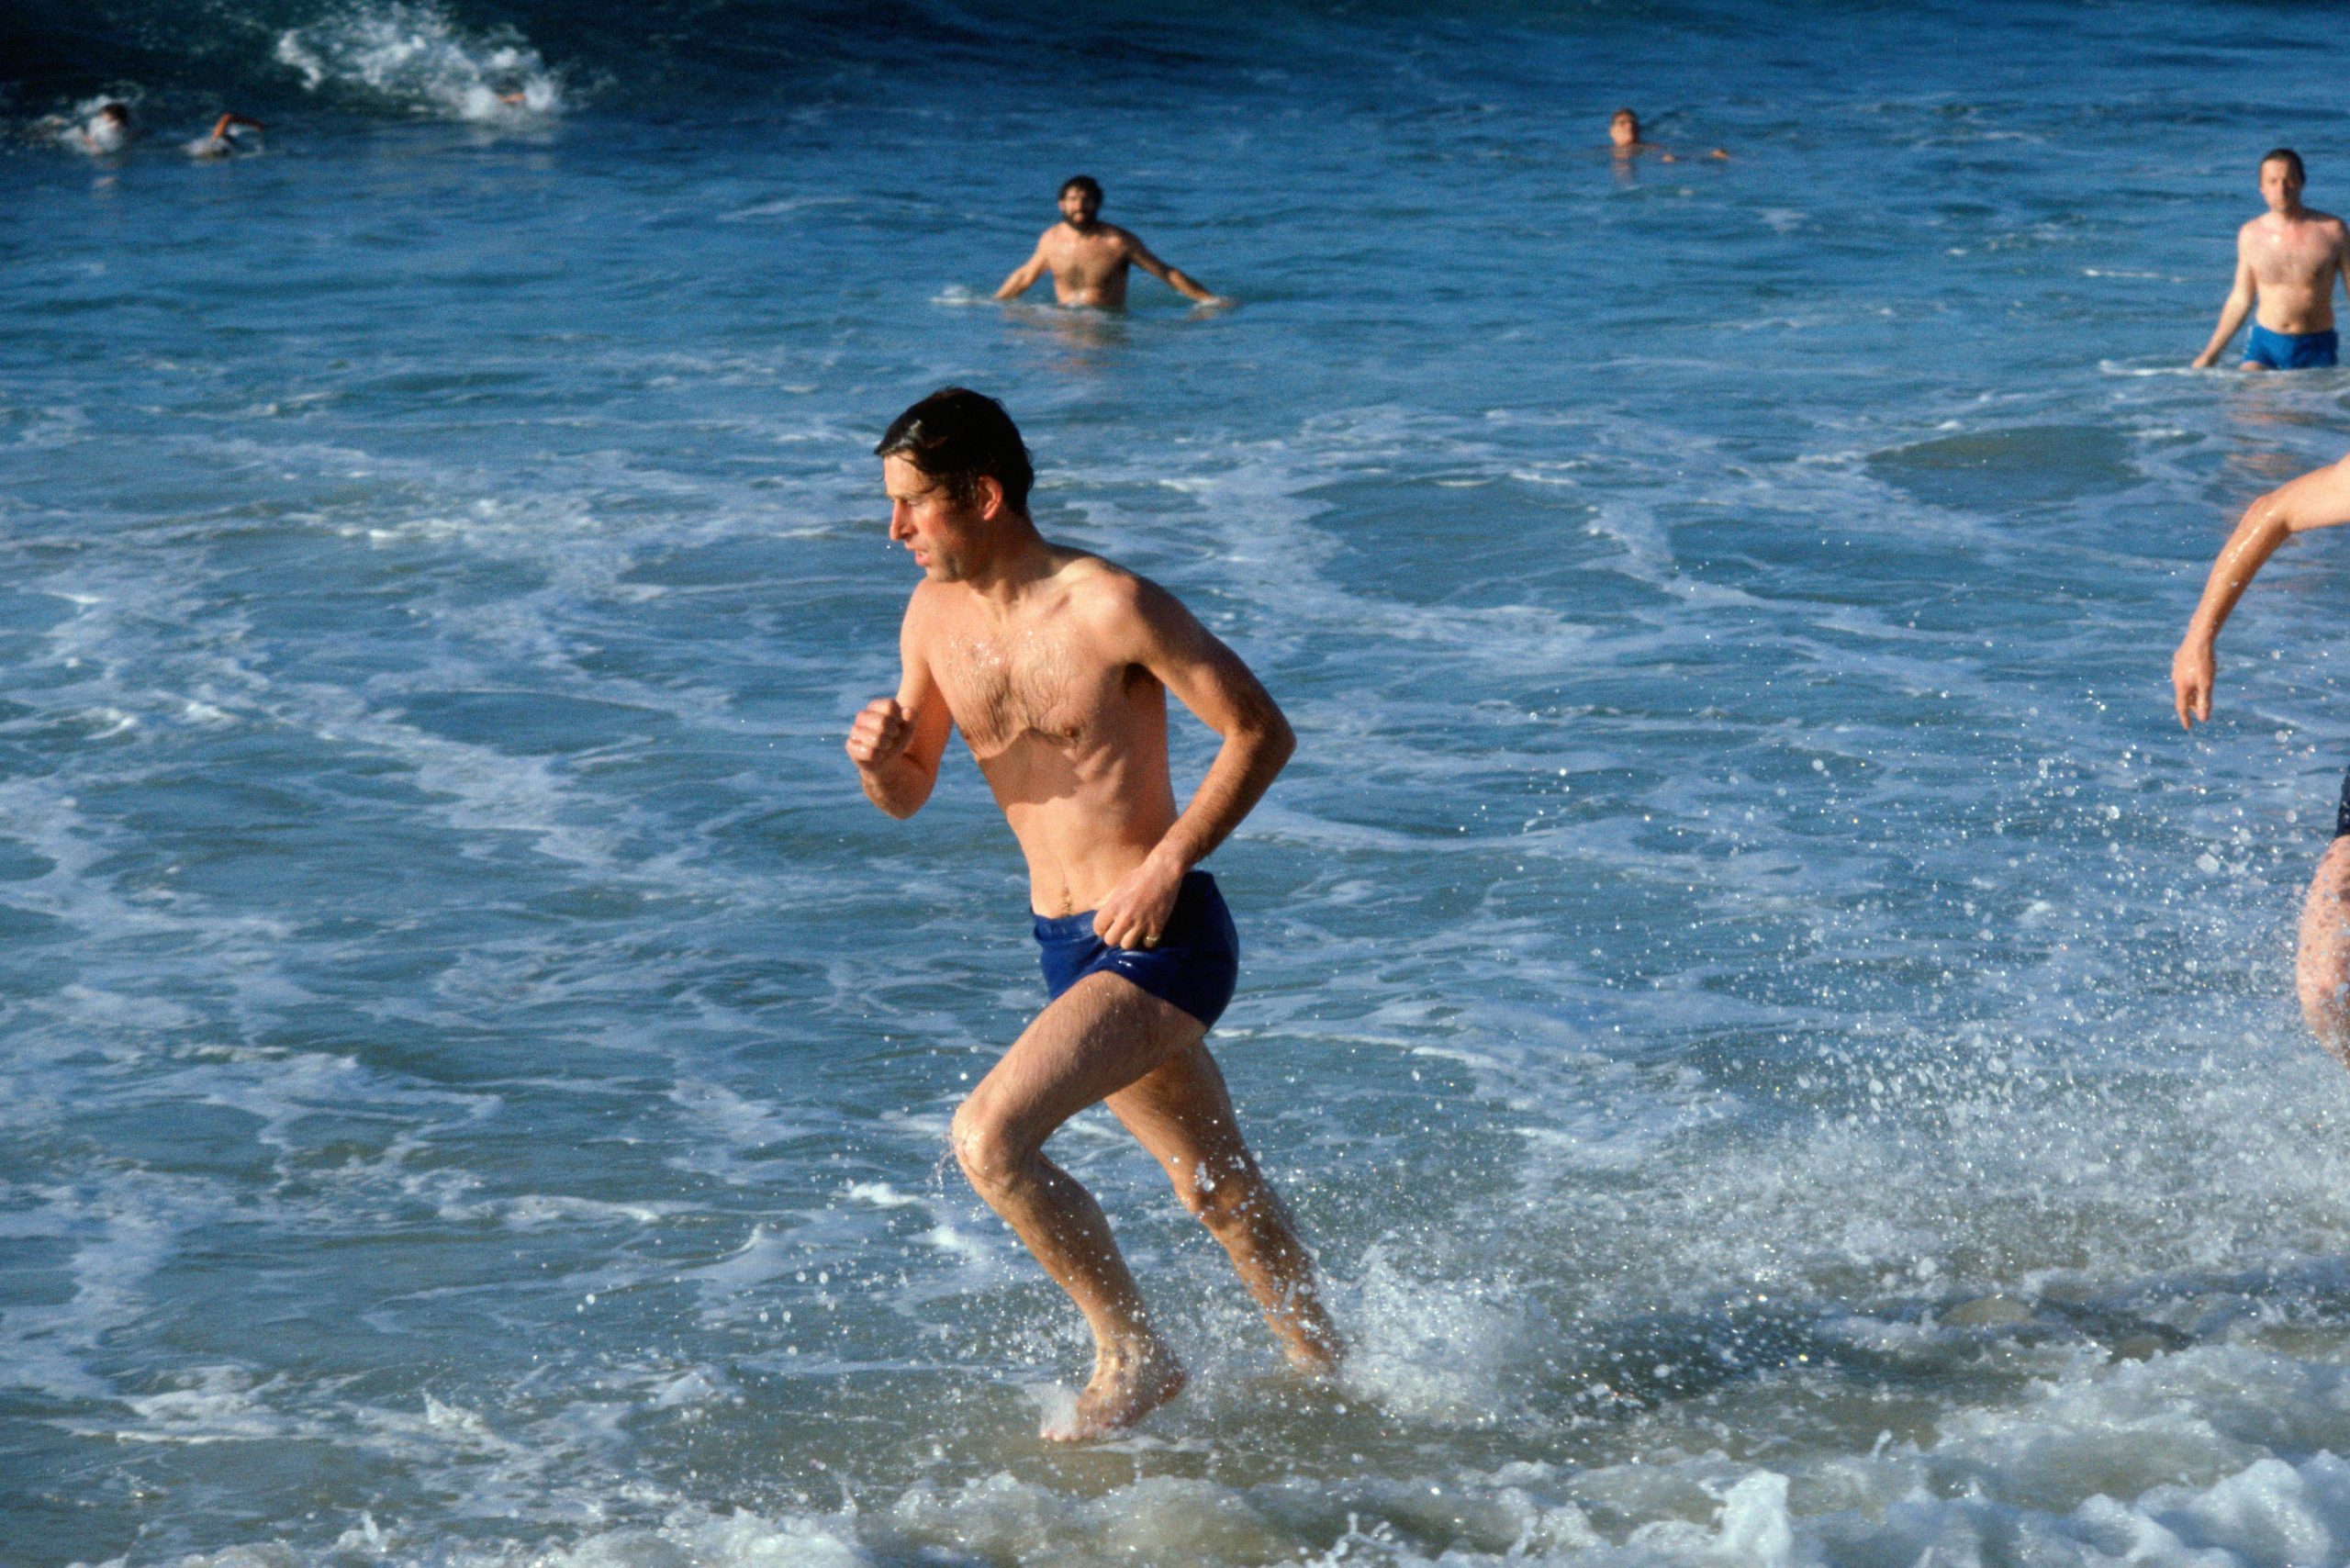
1020 683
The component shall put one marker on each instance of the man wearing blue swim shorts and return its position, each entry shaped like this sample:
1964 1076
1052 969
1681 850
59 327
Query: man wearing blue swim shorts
2321 499
1057 665
2286 262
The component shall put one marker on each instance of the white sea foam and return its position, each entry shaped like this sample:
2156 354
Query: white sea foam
881 1195
412 54
782 206
82 128
1696 1512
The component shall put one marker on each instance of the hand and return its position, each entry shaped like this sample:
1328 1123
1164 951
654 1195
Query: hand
2191 673
1136 911
881 733
2203 361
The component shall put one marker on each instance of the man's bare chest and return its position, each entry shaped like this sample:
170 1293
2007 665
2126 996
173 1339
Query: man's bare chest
1004 688
1086 261
2295 255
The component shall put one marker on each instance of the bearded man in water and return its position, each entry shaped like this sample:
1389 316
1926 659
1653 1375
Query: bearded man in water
1089 259
2287 260
1056 665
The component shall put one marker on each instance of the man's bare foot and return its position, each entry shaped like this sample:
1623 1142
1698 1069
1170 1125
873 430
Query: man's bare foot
1124 1389
1311 1353
1309 1339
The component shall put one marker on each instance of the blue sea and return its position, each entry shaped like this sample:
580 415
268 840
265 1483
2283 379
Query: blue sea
1785 1050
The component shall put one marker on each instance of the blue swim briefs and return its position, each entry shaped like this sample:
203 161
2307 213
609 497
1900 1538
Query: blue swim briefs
1193 966
2290 351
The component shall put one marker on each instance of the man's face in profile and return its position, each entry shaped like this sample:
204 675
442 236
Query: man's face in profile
2280 186
1080 206
936 530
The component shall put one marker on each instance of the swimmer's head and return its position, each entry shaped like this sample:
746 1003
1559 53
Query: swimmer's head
957 438
2281 179
108 130
1624 128
1080 199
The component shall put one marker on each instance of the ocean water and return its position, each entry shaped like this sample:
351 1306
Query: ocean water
1785 1050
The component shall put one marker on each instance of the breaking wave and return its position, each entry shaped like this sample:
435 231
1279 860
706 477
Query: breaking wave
418 58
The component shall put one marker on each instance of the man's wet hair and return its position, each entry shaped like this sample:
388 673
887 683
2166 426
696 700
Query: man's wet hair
1624 114
2286 155
956 436
1085 183
118 113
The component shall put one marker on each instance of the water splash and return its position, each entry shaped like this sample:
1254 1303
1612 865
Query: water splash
417 57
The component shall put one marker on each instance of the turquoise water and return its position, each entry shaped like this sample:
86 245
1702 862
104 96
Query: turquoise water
1785 1050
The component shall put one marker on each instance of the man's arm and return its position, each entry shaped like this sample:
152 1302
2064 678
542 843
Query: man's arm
2320 500
2231 314
1175 278
1023 276
1208 678
897 742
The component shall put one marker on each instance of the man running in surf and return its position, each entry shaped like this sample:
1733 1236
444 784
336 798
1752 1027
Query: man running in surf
2287 259
1089 259
1056 665
2321 499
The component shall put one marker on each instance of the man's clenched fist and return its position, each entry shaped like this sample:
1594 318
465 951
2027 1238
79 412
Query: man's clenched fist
880 732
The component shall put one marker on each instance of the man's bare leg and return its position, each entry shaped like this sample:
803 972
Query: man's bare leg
1182 1113
1100 1036
2323 971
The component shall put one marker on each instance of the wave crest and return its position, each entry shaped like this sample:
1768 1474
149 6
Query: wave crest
414 55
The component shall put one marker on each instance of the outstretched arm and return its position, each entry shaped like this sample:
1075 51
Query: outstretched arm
1175 278
897 742
1023 276
2320 500
227 123
2231 314
1208 678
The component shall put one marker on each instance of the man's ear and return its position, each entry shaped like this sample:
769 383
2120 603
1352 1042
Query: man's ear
990 496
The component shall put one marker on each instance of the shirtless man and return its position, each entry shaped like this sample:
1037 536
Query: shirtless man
1624 141
1088 258
2321 499
1056 667
2288 258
